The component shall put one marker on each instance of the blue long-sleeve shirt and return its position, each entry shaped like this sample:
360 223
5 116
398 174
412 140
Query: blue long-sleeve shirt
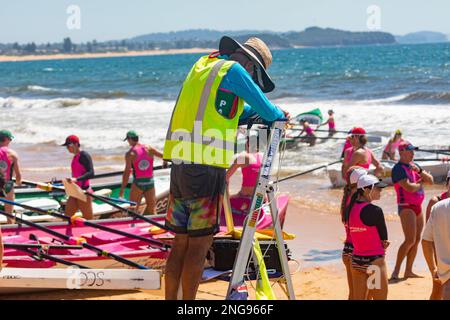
238 81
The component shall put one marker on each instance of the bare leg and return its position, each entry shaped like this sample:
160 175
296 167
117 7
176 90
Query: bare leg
413 251
408 220
8 207
347 260
86 208
360 289
71 206
174 266
150 200
437 292
381 292
194 263
446 290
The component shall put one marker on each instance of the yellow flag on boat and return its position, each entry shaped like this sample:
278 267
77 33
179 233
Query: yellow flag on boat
263 288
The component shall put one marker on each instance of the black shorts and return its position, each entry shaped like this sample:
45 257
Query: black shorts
361 263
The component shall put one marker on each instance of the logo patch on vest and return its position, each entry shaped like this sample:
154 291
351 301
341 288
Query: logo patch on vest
143 165
3 165
226 103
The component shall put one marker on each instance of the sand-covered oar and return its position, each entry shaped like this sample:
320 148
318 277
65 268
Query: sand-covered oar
79 221
74 240
306 172
50 187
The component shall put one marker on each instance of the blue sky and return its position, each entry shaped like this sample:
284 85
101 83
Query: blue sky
45 20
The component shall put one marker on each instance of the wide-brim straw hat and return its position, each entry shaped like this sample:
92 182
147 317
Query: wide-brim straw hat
258 52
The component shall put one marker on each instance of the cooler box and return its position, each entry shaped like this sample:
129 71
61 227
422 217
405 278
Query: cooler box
223 252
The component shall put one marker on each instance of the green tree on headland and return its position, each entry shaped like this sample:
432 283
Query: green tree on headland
67 45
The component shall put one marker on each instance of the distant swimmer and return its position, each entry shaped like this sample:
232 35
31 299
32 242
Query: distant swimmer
392 146
331 124
139 159
409 178
309 137
82 170
360 155
9 167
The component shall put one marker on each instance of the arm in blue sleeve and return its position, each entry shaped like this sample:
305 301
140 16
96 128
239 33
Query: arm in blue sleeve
238 81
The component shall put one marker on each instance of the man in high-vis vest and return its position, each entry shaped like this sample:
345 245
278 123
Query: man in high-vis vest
200 143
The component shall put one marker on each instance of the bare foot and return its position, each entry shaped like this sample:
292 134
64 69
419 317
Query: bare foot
412 275
394 278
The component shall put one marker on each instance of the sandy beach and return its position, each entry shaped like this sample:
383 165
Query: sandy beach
61 56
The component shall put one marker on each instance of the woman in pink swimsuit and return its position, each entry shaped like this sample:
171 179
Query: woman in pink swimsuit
331 124
309 137
359 154
82 171
139 160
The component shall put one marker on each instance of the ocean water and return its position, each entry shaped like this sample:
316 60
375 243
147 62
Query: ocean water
382 88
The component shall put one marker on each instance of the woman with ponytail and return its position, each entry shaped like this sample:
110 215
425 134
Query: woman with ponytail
369 236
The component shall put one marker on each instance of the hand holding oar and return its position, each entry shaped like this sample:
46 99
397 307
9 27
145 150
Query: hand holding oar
79 221
72 240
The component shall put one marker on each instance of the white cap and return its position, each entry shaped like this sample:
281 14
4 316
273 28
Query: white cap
370 180
356 174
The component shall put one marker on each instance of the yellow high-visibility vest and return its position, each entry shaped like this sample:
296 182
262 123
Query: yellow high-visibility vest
198 133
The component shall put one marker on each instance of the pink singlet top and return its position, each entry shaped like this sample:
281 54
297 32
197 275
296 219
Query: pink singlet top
5 163
250 173
78 170
409 198
393 146
331 124
143 164
366 240
309 131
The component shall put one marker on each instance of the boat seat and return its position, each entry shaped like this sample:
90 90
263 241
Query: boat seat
106 237
103 192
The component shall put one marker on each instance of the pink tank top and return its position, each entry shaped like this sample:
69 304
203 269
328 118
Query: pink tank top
250 173
349 154
406 198
78 170
366 240
143 164
443 196
309 131
5 163
331 124
348 237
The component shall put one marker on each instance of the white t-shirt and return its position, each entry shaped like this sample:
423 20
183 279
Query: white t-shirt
437 230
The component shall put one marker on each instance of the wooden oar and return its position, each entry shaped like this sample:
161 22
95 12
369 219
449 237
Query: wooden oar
76 220
68 239
50 187
115 173
306 172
